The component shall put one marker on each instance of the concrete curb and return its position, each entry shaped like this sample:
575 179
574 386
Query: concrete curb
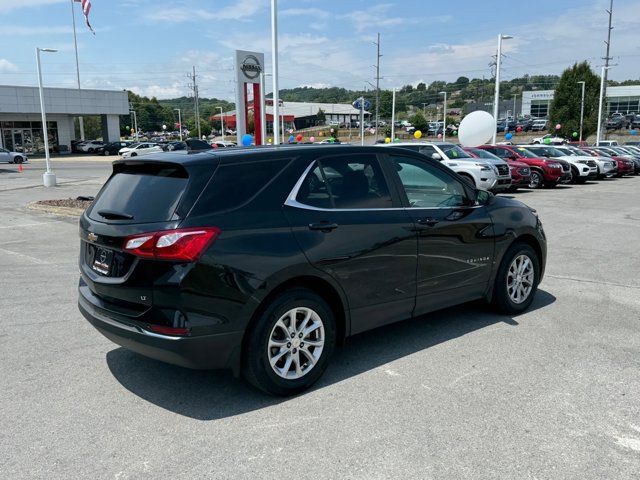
63 211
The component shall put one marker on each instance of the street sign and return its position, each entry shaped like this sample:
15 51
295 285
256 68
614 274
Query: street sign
357 104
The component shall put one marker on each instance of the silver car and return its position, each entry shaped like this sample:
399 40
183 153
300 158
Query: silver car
7 156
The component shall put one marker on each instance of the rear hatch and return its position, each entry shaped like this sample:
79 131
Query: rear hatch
141 196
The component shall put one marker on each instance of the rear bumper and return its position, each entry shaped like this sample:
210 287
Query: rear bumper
197 352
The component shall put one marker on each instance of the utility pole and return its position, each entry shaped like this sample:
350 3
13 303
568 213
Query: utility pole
515 115
377 44
444 115
393 114
196 109
607 58
179 121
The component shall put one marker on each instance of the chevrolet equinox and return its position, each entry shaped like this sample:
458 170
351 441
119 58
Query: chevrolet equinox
262 260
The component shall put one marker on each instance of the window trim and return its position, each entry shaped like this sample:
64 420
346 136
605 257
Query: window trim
396 199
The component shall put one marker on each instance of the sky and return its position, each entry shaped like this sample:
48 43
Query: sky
149 46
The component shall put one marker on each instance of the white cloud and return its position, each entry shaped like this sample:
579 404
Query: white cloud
240 10
6 66
7 5
375 16
25 31
297 12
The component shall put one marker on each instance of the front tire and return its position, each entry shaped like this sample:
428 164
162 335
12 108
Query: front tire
288 348
106 153
536 180
18 160
517 279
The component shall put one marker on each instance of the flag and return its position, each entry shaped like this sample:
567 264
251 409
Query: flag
86 8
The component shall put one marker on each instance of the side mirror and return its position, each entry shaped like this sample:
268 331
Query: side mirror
483 197
436 156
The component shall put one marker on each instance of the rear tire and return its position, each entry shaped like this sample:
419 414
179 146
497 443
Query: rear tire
18 160
276 358
134 154
106 153
517 279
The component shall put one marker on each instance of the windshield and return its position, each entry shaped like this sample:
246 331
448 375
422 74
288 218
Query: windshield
523 152
485 154
580 152
548 151
454 151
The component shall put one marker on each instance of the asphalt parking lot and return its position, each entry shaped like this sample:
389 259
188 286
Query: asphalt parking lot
462 393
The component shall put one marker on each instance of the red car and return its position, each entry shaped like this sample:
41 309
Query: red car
544 171
520 172
625 167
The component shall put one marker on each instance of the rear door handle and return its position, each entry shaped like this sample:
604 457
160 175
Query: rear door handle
325 227
428 221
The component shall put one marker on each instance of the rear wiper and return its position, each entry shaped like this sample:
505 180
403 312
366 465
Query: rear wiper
113 215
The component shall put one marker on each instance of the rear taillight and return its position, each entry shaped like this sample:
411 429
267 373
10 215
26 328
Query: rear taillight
183 244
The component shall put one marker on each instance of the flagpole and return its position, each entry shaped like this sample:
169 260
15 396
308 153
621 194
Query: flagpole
75 42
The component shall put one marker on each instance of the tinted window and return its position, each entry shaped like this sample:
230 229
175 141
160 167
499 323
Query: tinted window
235 184
427 150
454 151
345 183
485 154
427 186
148 192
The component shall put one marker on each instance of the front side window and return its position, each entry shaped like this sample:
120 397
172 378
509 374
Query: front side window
427 186
348 182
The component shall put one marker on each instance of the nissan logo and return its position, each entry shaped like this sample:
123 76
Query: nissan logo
251 67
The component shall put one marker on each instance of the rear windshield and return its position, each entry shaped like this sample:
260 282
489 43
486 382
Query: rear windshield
141 193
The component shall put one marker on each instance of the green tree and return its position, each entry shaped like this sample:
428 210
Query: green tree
421 87
321 117
418 121
565 108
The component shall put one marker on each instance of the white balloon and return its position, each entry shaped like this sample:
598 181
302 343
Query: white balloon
476 129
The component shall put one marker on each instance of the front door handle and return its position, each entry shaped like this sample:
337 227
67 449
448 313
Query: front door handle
325 227
428 222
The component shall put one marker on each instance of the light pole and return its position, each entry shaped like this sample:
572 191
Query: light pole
274 61
222 122
263 109
48 177
582 83
444 115
515 115
604 69
496 96
393 114
135 124
179 121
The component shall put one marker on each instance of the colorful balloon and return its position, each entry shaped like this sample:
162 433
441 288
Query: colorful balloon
299 138
417 134
439 136
269 140
396 139
291 138
387 140
633 132
312 139
247 139
518 128
509 136
547 141
574 134
558 127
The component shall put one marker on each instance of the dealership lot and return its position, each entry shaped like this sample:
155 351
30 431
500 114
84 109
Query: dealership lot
461 393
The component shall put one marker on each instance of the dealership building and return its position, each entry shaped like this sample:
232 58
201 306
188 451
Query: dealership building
21 121
625 99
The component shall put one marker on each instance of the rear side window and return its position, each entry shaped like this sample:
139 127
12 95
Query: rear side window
141 193
235 184
349 182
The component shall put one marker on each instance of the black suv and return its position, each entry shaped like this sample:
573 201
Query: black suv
263 259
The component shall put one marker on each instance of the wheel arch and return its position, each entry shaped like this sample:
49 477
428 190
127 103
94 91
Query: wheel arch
328 292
